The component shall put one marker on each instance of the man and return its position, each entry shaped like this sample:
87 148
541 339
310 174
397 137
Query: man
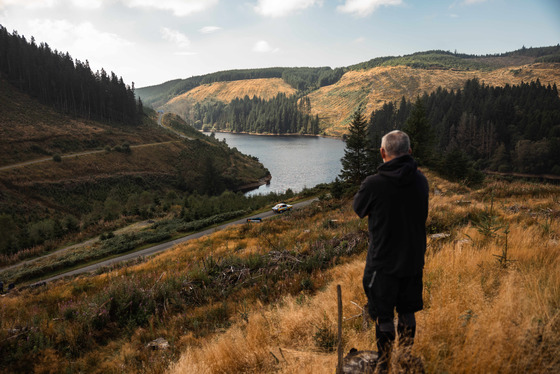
396 203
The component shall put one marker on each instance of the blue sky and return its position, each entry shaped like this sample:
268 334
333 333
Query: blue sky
152 41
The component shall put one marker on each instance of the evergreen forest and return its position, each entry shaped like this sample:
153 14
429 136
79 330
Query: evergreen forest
280 115
55 79
515 128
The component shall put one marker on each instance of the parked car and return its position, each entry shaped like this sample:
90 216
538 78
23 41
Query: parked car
282 207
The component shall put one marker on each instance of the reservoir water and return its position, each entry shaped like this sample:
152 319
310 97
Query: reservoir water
294 162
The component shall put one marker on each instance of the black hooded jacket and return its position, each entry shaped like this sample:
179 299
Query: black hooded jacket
396 203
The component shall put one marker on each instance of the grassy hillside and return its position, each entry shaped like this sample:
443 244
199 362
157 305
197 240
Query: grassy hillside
265 88
262 297
335 104
106 175
30 130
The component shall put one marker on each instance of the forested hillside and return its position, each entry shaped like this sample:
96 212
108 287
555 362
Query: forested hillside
507 129
336 93
79 156
55 79
373 87
279 115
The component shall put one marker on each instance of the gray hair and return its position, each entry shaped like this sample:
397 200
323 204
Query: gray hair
396 143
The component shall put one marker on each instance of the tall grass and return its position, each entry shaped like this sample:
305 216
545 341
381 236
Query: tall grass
261 298
479 316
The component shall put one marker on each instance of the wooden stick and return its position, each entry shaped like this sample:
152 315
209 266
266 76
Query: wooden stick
339 348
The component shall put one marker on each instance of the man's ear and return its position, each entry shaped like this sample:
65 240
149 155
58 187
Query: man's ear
410 151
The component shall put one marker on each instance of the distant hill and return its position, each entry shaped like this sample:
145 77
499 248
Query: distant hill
373 87
265 88
371 83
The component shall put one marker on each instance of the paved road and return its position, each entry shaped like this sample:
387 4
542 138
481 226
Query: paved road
164 246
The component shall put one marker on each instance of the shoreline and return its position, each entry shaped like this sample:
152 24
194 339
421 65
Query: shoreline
253 186
272 134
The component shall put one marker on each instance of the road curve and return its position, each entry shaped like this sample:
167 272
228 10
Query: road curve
164 246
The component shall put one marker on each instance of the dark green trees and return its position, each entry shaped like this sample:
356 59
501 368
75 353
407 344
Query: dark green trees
420 132
507 129
280 115
358 161
55 79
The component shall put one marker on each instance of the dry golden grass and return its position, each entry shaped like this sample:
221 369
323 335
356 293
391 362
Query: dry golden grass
265 88
479 316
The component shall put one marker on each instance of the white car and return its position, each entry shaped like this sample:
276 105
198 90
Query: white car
282 207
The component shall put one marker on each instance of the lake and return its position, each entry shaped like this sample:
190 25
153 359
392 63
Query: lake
294 162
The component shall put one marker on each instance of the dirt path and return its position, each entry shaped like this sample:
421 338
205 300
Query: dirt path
37 161
160 122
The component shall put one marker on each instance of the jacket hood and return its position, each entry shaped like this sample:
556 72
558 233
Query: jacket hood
400 170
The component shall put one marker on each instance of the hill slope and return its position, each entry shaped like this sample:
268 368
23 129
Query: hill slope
30 130
262 297
335 104
377 81
265 88
121 173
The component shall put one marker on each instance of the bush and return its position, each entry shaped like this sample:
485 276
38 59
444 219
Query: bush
57 158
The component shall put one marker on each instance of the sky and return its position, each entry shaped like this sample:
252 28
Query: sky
149 42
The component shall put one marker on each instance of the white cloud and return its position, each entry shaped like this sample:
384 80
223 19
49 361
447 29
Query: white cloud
363 8
179 8
279 8
209 29
175 37
470 2
82 40
87 4
185 53
30 4
262 46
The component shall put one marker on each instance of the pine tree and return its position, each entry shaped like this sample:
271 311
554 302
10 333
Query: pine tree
357 162
420 132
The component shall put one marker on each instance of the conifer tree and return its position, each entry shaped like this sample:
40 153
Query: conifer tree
357 162
421 136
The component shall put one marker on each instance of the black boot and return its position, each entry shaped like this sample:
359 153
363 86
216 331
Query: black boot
406 329
385 339
406 335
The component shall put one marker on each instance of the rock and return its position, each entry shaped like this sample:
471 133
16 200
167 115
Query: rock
158 344
359 362
441 235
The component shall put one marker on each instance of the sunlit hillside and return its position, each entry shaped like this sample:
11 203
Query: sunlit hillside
335 103
265 88
261 298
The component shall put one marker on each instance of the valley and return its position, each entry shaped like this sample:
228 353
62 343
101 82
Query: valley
130 224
